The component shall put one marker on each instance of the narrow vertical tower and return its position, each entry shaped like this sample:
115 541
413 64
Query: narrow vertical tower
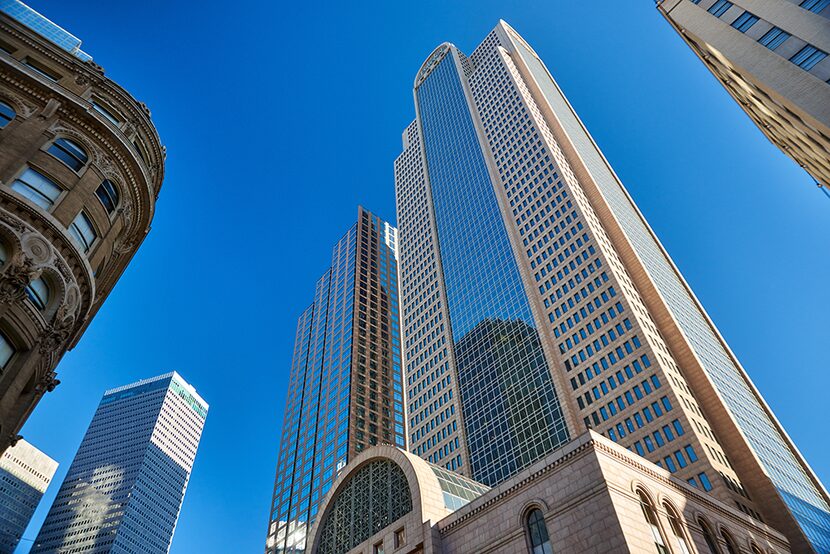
345 390
125 487
536 302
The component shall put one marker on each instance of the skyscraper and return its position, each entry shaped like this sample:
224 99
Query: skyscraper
536 301
25 473
81 166
771 56
125 487
344 391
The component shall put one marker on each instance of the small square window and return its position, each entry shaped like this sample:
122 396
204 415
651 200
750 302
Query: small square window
378 548
400 537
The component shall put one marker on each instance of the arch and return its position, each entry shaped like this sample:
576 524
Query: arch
536 531
431 62
708 536
680 538
755 548
653 521
69 151
731 545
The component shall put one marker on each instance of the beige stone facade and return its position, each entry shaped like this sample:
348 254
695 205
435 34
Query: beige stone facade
81 166
590 493
771 75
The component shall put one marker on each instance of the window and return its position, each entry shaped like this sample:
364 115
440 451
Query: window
108 195
711 542
731 546
6 351
537 533
38 293
106 113
773 38
704 480
651 519
38 188
400 537
719 8
677 530
808 57
378 548
7 113
42 69
4 253
744 21
82 231
815 5
69 152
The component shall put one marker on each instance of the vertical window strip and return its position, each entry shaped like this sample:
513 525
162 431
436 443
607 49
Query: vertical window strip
808 57
814 6
745 21
774 38
719 8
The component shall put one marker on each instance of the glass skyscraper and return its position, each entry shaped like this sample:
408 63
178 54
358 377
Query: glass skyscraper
537 302
345 391
25 473
125 487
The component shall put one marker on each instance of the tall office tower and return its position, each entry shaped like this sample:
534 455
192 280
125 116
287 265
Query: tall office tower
81 166
536 302
125 487
771 56
25 473
344 391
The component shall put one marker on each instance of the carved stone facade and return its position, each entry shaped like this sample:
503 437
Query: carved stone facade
592 495
81 166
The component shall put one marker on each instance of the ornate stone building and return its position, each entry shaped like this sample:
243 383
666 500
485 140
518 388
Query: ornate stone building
591 495
81 166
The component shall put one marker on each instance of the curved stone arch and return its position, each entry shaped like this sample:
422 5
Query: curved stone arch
13 245
21 109
57 290
425 490
530 505
61 130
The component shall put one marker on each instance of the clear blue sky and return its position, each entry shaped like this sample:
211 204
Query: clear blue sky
280 118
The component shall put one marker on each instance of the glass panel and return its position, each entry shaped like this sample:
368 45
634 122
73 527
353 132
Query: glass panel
36 187
82 231
7 113
108 195
38 292
4 253
69 153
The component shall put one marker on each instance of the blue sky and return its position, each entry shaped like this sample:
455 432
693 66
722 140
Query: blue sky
280 119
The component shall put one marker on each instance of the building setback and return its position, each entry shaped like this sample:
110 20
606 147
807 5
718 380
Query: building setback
25 474
771 56
345 391
81 166
537 302
125 487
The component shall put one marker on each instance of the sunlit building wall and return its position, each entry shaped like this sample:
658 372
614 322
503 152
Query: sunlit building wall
125 487
345 391
536 302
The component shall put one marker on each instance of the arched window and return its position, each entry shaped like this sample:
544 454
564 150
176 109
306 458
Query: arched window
82 231
537 533
755 549
651 518
711 542
7 113
38 293
108 195
731 546
69 152
677 530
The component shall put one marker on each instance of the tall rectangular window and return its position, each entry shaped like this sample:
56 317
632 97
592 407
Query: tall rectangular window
746 20
719 8
6 351
774 38
814 5
808 57
83 232
38 188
